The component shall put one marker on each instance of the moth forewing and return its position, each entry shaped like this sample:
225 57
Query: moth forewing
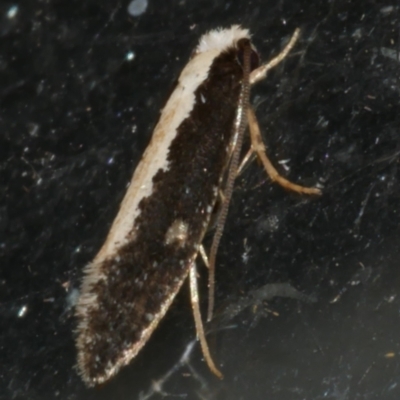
156 235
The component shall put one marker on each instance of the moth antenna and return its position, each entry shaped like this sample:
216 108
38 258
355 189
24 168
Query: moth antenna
241 121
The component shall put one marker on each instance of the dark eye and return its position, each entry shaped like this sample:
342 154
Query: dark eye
242 44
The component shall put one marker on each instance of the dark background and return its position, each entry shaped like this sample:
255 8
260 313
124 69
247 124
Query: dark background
75 116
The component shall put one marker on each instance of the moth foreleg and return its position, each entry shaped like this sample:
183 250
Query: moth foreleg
259 148
261 72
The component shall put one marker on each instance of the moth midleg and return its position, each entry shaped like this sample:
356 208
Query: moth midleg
260 149
194 297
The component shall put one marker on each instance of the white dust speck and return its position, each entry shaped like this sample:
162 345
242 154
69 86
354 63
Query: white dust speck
33 129
387 10
72 298
137 7
149 317
284 164
130 55
390 53
22 311
12 12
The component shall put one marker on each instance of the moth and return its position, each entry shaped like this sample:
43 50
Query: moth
190 165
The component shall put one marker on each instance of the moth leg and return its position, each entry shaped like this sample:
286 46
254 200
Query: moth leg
194 297
204 256
261 72
247 159
259 147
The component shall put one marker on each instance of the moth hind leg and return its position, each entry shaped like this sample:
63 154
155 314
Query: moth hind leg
259 148
194 297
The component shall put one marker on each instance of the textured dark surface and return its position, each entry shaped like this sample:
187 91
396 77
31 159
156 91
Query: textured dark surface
75 117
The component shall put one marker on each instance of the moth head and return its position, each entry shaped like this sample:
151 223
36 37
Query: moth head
221 39
241 45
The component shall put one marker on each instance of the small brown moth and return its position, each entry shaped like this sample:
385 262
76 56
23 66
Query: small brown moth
192 159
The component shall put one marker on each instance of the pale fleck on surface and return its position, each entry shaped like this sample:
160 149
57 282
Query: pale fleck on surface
177 233
22 311
12 12
137 7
